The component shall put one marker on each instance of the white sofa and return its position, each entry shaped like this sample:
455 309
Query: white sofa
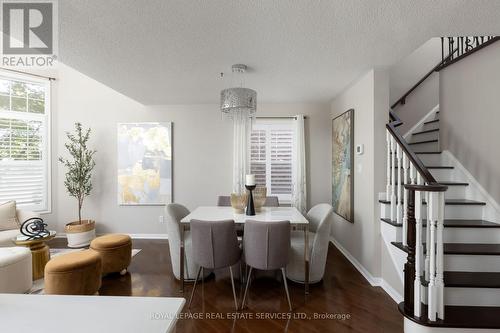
7 235
15 270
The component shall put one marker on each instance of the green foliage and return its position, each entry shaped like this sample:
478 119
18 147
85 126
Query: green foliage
78 177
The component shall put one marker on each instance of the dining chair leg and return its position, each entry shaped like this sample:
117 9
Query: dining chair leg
194 287
286 288
246 289
234 289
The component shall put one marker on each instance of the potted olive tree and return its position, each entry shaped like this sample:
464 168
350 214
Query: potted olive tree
78 183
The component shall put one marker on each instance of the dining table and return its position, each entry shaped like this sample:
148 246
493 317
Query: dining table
266 214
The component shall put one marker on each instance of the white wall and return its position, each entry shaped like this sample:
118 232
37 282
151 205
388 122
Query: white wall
470 114
406 73
369 97
202 148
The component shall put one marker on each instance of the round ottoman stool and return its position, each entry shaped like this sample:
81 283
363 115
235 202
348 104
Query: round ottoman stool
15 270
115 251
76 273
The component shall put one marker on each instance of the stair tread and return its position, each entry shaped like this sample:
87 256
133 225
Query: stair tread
434 167
428 152
460 316
450 202
440 167
450 183
462 248
431 121
427 131
421 142
472 279
454 223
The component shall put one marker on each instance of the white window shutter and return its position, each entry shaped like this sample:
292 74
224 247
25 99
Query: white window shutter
24 142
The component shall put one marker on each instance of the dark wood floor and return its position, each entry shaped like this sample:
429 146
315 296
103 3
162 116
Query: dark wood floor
344 293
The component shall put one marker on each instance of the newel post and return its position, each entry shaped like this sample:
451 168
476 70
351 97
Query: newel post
409 268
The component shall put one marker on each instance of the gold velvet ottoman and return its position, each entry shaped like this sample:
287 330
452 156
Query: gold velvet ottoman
115 251
76 273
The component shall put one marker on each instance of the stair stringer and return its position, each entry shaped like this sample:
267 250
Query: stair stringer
491 211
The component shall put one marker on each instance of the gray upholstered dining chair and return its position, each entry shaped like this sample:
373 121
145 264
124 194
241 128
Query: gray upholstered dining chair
225 201
266 246
215 246
319 218
174 213
272 202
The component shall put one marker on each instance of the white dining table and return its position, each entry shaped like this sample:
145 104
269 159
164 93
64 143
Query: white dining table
267 214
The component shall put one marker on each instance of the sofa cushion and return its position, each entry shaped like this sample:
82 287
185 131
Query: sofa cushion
8 216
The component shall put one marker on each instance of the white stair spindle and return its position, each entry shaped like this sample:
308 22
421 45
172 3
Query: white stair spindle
399 196
427 236
431 224
440 257
405 199
393 178
418 254
389 166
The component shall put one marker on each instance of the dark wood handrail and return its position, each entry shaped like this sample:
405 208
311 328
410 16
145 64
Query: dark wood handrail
468 53
417 163
450 59
402 100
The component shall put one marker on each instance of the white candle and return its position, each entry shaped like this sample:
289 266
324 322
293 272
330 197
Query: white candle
250 180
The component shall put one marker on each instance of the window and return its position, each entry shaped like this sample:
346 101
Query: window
271 146
24 141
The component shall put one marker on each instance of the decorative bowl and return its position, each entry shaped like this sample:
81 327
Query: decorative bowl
259 197
239 202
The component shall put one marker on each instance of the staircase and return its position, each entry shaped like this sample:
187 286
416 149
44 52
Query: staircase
449 235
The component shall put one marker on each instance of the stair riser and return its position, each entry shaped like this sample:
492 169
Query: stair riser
442 174
429 146
424 136
430 126
466 212
430 159
471 263
470 235
455 192
472 296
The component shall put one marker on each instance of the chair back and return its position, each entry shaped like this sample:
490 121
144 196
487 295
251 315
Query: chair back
224 201
272 202
174 214
319 218
215 244
266 245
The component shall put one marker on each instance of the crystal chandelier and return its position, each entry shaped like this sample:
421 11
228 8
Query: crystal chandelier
238 98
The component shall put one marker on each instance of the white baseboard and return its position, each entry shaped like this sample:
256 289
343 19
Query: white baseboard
421 122
372 280
133 236
397 297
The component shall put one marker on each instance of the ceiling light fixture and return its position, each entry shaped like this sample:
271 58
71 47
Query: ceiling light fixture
238 98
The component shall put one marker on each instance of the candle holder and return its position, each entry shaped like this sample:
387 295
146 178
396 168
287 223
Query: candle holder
250 206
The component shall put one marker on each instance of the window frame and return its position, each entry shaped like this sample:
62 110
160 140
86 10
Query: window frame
268 125
46 119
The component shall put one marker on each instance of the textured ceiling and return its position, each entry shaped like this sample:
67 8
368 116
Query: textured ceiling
171 52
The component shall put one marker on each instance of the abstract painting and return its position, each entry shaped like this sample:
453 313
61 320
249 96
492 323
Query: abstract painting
343 165
145 163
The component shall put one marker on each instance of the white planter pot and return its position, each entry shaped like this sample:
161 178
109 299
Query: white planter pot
80 235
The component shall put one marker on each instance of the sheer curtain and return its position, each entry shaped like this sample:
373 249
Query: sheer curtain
299 183
242 128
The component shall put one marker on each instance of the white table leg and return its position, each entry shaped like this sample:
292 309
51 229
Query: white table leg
306 259
181 259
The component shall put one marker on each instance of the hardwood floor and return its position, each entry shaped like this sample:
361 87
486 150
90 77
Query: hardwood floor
343 293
